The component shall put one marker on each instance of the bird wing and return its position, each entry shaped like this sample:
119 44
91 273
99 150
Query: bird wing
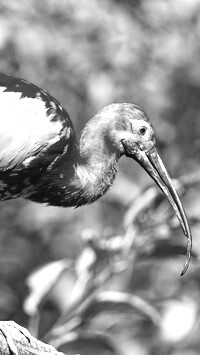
32 123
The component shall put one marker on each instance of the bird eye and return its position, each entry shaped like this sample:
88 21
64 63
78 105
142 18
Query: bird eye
142 130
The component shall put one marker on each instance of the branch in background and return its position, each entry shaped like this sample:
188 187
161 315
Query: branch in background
148 196
102 256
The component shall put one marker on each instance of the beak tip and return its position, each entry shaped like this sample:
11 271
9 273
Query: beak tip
184 270
187 263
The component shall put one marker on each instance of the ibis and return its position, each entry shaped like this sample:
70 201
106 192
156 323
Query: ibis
41 159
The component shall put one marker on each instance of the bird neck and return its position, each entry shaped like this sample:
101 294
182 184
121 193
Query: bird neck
91 169
94 170
83 174
93 178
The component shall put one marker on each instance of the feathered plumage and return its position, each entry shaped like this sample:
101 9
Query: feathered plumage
41 160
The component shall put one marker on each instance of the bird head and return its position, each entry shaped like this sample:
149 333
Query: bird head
132 134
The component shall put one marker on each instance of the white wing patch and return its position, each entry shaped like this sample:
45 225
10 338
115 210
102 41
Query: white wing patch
25 126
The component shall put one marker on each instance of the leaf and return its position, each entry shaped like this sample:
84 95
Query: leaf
87 343
120 302
179 319
40 283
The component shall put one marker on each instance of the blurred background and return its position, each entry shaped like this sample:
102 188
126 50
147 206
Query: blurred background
88 54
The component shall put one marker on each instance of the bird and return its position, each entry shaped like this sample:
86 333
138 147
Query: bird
42 160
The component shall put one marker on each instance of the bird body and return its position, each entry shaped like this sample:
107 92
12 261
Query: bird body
39 156
34 131
41 160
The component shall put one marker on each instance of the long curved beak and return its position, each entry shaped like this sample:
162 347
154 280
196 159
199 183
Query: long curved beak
154 166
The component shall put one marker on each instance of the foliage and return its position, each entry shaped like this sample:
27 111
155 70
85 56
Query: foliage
88 54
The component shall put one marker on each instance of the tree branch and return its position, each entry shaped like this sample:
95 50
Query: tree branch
25 346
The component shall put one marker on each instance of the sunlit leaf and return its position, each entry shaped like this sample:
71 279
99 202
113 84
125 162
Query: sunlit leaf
40 283
120 302
178 319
